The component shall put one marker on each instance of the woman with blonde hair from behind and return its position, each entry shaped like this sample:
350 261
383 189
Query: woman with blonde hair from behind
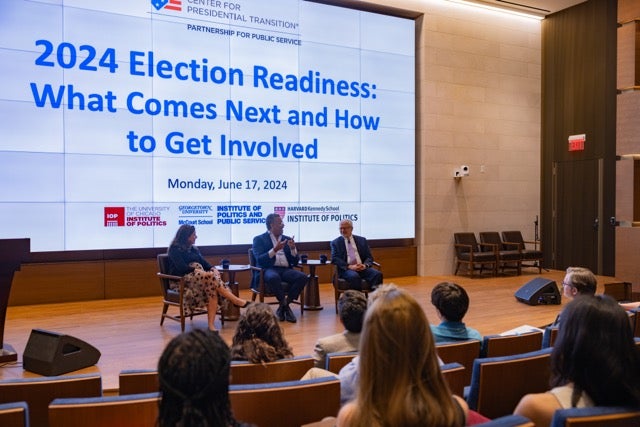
400 381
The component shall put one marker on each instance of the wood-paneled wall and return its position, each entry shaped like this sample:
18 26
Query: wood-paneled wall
66 281
628 142
579 97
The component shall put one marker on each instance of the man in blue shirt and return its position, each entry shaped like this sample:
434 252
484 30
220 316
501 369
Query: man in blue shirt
451 302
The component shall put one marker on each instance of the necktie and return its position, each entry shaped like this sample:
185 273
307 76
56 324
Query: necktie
351 253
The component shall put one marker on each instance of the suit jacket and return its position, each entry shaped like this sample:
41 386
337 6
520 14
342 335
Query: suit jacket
339 252
345 341
262 244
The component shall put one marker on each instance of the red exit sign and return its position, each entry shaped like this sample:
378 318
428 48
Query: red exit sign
576 142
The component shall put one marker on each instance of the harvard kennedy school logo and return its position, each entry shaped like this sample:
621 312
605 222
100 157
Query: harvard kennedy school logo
167 4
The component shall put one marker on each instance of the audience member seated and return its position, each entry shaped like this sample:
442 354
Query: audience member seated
577 281
351 308
193 373
400 383
259 337
451 302
348 375
594 361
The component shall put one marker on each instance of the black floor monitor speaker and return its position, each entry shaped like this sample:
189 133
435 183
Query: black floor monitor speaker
539 291
50 353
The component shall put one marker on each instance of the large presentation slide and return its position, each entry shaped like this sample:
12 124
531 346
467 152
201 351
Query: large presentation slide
121 120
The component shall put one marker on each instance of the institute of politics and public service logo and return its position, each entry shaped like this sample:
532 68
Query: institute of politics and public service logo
175 5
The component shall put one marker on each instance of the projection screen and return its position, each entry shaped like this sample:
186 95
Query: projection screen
121 120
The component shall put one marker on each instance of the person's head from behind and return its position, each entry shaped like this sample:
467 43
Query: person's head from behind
259 337
193 372
351 307
595 350
183 236
579 281
400 378
451 301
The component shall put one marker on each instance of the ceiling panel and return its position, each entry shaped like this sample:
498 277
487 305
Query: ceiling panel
537 7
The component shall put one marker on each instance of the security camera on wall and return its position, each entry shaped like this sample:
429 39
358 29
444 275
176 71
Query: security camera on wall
461 171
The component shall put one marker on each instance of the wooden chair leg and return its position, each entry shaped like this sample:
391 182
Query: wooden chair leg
164 311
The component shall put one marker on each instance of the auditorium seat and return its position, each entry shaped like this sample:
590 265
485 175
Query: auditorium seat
549 336
498 383
133 381
336 361
463 352
509 421
39 392
279 370
455 376
596 416
619 291
634 318
15 414
505 345
106 411
286 404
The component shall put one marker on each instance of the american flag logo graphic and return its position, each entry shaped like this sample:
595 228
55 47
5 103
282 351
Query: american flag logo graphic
167 4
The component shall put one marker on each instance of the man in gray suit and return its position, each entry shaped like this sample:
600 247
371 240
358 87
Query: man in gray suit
351 308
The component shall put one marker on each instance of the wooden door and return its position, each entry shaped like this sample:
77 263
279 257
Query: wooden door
577 221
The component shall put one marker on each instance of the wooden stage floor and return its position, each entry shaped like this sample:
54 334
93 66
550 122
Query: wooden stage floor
128 333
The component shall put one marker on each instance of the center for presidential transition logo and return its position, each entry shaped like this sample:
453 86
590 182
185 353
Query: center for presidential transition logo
134 216
175 5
